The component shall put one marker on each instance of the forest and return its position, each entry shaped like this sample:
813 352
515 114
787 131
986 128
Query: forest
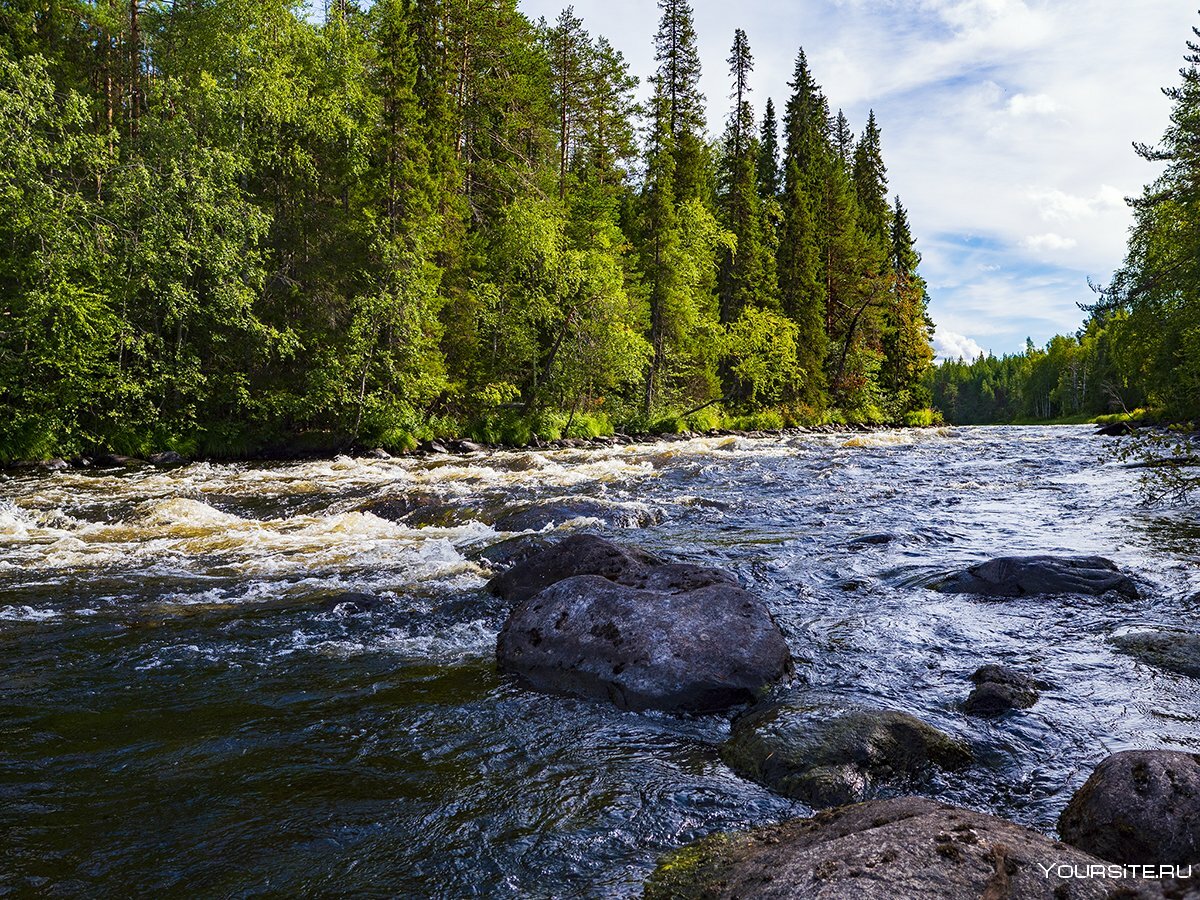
1138 352
238 225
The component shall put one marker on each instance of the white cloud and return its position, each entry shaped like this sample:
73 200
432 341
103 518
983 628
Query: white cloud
1044 243
1059 206
949 345
1032 105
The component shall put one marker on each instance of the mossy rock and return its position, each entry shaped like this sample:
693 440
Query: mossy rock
827 756
907 847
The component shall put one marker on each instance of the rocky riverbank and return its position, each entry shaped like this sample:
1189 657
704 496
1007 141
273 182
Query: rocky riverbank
596 620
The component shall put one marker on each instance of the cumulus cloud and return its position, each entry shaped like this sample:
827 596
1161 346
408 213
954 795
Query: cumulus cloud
949 345
1059 206
1032 105
1044 243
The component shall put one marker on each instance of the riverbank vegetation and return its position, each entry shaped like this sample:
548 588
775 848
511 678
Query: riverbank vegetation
1137 355
236 225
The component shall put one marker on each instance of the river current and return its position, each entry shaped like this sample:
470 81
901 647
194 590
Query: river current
181 713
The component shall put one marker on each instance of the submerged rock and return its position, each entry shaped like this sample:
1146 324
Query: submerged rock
1022 576
169 458
907 847
829 756
550 514
1173 651
421 510
699 648
868 540
998 690
1140 807
350 603
508 553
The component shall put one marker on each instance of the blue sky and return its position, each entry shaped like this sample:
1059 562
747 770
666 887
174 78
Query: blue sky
1007 128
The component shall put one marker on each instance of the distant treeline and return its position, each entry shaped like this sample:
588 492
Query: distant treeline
1139 349
228 224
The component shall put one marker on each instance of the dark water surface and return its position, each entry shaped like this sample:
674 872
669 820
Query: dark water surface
179 718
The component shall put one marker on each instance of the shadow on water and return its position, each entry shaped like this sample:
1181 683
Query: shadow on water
184 711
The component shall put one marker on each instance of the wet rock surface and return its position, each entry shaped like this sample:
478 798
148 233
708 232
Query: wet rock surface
351 603
586 554
1171 651
1024 576
907 847
597 620
541 516
825 755
1139 807
999 689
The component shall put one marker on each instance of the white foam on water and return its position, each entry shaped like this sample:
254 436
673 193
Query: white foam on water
459 642
27 614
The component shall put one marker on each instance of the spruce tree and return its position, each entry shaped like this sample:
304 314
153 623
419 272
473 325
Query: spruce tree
908 354
768 154
677 83
745 275
659 243
843 139
871 185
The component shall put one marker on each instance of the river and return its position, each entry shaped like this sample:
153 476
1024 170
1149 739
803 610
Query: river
180 716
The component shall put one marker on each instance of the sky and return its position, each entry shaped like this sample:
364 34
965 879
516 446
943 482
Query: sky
1007 129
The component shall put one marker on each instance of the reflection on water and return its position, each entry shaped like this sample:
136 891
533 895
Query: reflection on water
183 710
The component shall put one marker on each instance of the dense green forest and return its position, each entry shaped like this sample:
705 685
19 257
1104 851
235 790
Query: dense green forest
226 226
1138 351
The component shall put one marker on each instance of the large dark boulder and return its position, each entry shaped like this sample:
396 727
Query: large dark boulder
586 554
1172 651
1022 576
908 847
827 756
999 689
677 645
1140 807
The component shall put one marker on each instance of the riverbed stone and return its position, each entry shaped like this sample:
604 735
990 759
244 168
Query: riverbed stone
511 551
1139 807
169 458
1172 651
1023 576
999 689
677 645
829 755
551 514
350 603
587 554
906 847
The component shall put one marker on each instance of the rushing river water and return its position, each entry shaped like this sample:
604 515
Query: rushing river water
180 715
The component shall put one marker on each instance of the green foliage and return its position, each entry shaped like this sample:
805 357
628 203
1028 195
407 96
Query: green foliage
231 228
